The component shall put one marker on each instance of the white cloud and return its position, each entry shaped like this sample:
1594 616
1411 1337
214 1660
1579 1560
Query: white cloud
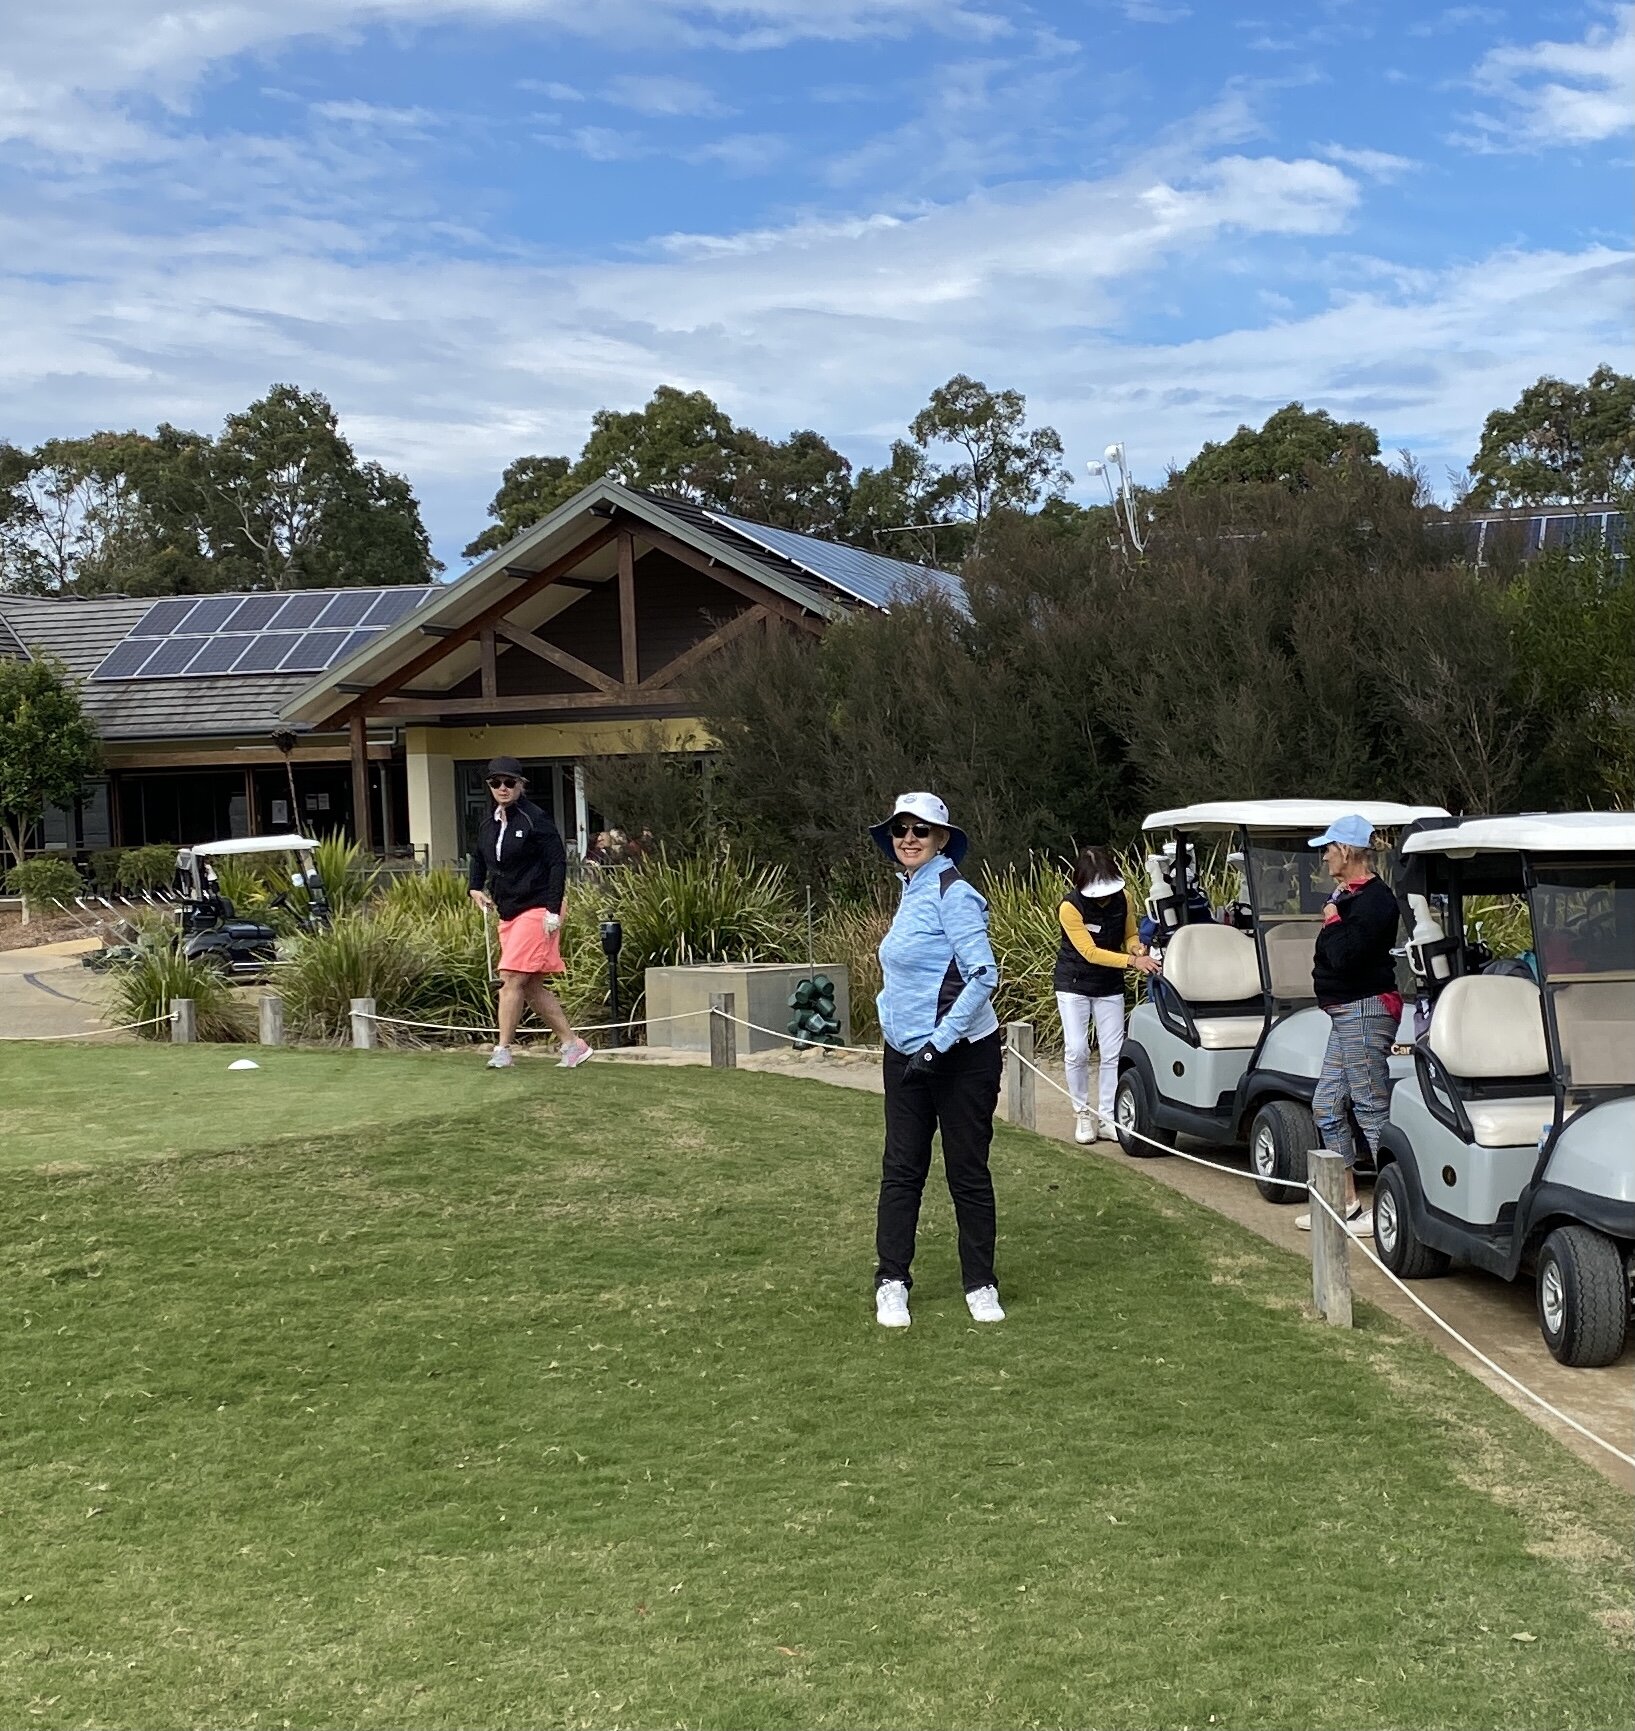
1378 164
374 114
661 96
1154 12
1560 93
599 143
71 70
743 153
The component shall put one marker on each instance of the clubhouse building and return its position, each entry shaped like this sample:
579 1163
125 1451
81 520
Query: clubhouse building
373 711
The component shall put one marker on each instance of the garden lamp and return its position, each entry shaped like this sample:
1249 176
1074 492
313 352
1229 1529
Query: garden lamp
612 943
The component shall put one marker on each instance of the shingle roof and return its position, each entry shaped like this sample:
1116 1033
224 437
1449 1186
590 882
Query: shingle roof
80 634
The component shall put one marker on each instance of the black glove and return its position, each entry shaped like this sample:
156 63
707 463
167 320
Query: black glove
923 1063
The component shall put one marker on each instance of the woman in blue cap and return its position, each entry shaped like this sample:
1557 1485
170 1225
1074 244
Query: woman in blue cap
1355 978
942 1057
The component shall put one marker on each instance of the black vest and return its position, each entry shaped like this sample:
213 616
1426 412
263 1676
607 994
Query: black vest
1105 917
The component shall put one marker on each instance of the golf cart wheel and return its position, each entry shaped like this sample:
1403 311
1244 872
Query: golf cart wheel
1132 1116
1401 1248
1583 1296
1279 1139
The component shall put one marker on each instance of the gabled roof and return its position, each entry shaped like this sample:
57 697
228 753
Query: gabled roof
576 522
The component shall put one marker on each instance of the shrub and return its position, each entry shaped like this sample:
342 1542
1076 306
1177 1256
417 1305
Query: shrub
244 883
147 868
44 883
348 873
423 895
1022 903
149 983
356 957
105 868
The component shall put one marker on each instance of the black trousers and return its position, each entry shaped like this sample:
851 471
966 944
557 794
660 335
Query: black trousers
958 1098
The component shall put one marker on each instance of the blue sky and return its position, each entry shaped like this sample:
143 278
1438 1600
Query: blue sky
472 222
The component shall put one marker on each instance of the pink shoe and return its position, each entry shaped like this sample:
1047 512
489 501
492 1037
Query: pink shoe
574 1054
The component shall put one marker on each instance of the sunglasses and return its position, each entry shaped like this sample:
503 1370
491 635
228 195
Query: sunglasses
502 781
902 827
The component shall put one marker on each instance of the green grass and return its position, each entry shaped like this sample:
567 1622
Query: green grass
548 1399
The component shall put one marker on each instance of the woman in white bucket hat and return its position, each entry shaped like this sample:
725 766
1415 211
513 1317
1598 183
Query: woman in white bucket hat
942 1058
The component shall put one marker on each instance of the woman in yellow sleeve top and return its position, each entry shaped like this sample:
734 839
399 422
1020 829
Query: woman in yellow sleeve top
1099 943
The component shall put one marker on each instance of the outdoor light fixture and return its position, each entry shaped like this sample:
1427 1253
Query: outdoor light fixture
1120 497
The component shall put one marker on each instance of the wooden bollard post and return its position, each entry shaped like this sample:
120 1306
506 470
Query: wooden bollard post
184 1022
1020 1107
723 1031
363 1024
1330 1250
272 1019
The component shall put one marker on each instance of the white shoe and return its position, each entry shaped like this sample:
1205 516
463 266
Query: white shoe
983 1304
891 1304
1360 1220
1084 1127
574 1054
502 1059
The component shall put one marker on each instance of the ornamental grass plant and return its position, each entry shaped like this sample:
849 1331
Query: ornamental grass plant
145 986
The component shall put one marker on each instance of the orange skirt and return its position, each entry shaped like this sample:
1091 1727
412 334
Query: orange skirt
527 948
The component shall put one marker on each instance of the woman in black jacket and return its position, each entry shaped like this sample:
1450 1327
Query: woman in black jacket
1355 978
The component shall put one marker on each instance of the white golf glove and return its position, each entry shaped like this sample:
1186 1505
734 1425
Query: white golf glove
553 923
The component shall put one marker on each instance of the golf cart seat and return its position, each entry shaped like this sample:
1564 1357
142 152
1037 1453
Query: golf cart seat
1291 949
1215 970
1484 1066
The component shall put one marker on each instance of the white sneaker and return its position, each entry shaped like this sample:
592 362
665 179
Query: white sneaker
891 1304
502 1058
1362 1224
574 1054
1084 1127
1302 1223
983 1304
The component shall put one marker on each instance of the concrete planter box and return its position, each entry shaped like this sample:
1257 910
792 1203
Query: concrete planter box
761 994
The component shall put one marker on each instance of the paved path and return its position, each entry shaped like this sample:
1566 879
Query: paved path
1493 1314
47 991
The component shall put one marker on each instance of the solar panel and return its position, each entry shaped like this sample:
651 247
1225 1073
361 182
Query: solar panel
256 614
208 616
219 653
354 642
869 577
396 604
163 617
264 653
300 612
312 652
172 657
346 610
123 661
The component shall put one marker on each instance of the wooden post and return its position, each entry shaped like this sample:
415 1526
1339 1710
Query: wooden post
627 608
363 824
272 1019
489 651
184 1024
723 1031
1330 1251
363 1024
1020 1107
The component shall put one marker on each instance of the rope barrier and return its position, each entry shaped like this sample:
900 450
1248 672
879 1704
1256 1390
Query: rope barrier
528 1033
793 1039
92 1033
1447 1327
1474 1351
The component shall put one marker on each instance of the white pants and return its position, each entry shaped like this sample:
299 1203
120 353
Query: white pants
1076 1011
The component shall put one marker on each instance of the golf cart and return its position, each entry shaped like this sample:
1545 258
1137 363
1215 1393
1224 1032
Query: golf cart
1513 1145
211 927
1228 1043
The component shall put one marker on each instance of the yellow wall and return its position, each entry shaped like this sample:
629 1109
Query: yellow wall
430 754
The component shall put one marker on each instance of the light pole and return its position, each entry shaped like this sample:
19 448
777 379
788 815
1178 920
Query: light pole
1121 497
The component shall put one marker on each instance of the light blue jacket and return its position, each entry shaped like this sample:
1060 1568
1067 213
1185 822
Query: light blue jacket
939 967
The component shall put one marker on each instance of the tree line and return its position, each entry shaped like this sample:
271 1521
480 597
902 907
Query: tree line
279 500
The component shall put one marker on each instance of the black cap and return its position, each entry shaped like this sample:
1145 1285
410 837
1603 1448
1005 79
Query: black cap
504 766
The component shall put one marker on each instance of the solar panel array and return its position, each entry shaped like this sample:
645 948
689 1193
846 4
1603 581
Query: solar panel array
870 577
189 636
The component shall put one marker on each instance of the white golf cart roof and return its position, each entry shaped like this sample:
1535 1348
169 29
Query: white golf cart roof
252 844
1587 832
1282 815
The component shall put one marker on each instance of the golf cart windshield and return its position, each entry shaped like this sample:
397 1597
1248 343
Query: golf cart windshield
1287 890
1584 937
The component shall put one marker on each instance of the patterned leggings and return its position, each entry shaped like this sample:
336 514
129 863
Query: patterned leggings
1356 1068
